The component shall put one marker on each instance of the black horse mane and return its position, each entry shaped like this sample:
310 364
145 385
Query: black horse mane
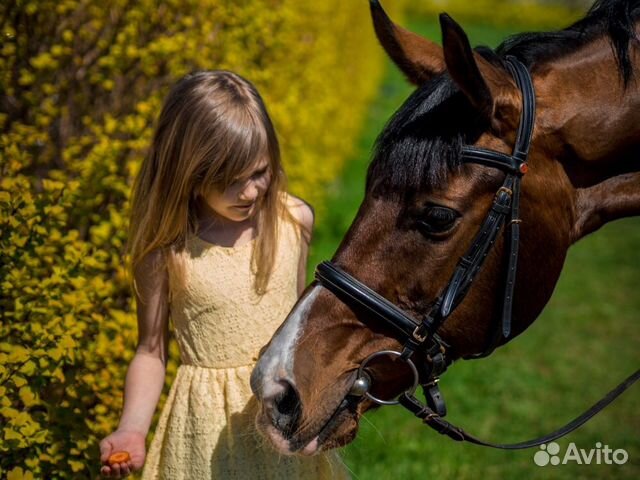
614 18
421 143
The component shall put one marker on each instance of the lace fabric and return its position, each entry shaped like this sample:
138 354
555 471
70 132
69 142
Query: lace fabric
207 426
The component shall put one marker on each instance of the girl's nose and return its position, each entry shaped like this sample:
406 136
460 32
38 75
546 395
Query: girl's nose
250 192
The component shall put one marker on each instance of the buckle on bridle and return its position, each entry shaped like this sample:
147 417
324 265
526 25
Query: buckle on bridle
418 337
506 190
432 382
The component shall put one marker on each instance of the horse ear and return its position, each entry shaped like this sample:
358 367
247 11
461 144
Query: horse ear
482 82
418 58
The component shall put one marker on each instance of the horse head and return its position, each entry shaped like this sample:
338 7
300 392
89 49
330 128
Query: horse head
424 206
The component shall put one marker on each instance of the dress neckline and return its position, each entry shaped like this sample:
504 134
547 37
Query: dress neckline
223 247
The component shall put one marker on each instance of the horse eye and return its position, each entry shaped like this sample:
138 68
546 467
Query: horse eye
437 220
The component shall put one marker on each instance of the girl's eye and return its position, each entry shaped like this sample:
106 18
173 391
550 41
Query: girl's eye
437 220
256 175
260 173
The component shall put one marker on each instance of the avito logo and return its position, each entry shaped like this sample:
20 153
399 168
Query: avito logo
550 454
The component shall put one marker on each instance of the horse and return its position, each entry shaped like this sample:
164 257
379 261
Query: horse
493 167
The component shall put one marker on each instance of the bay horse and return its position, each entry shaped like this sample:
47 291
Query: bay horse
481 181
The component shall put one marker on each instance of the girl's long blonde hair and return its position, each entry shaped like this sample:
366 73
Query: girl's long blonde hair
213 127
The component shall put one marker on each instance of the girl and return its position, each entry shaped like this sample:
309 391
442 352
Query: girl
217 245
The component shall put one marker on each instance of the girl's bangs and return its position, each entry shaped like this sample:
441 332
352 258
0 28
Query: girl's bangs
247 144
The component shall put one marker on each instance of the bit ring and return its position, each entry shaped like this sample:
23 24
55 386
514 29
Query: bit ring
363 374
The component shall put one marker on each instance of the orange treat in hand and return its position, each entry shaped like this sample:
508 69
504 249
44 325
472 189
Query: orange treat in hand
119 457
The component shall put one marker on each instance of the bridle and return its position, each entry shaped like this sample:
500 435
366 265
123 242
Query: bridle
422 336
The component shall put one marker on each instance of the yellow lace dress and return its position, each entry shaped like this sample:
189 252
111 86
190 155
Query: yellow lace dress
206 429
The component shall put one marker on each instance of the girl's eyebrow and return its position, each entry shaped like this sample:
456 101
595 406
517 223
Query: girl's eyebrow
259 169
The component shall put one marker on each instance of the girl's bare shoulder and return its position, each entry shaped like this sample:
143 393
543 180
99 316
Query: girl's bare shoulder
301 211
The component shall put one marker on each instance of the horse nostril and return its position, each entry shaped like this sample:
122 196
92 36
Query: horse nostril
286 413
288 401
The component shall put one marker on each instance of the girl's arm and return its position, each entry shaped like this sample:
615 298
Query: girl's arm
145 376
303 212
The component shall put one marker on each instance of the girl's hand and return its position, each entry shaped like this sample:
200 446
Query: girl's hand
122 441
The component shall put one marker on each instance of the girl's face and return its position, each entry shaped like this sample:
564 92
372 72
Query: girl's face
241 200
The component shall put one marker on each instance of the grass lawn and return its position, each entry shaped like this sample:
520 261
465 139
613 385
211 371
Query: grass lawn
585 343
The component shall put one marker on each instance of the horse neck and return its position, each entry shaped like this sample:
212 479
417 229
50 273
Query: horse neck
589 122
589 117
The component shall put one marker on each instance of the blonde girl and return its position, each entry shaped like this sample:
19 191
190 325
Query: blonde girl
218 247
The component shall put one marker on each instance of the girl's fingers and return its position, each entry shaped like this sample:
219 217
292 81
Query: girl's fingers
105 450
117 470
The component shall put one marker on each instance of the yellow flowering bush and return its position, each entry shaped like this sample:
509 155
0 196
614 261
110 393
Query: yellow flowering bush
81 83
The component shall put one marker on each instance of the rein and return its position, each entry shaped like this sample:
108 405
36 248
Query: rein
422 335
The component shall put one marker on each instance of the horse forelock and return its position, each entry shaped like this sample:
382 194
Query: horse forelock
421 143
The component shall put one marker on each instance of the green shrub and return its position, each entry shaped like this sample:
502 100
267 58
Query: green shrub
81 82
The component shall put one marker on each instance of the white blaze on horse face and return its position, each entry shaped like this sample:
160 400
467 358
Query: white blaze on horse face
276 363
